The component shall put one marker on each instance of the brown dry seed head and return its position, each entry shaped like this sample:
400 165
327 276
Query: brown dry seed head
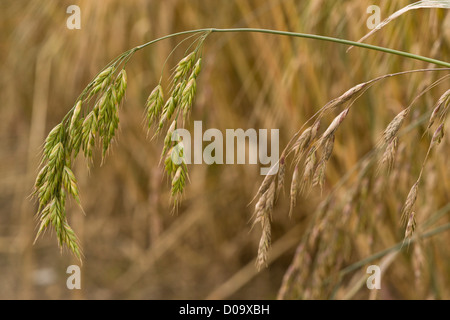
315 129
395 125
264 245
439 110
334 125
302 144
410 226
295 186
409 204
434 115
328 148
270 199
264 206
281 173
438 135
260 209
351 92
333 104
265 185
319 174
388 158
308 172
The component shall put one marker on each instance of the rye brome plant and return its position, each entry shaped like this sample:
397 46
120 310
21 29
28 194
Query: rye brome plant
94 120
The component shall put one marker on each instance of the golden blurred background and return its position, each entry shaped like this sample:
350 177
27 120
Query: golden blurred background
134 248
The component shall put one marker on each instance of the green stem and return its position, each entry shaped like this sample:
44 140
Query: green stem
307 36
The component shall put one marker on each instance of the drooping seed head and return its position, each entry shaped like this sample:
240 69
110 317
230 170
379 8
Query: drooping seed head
295 186
352 91
270 199
315 129
394 126
334 125
328 148
281 174
303 141
410 226
308 172
264 245
439 109
389 155
319 174
410 201
438 135
265 185
264 206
